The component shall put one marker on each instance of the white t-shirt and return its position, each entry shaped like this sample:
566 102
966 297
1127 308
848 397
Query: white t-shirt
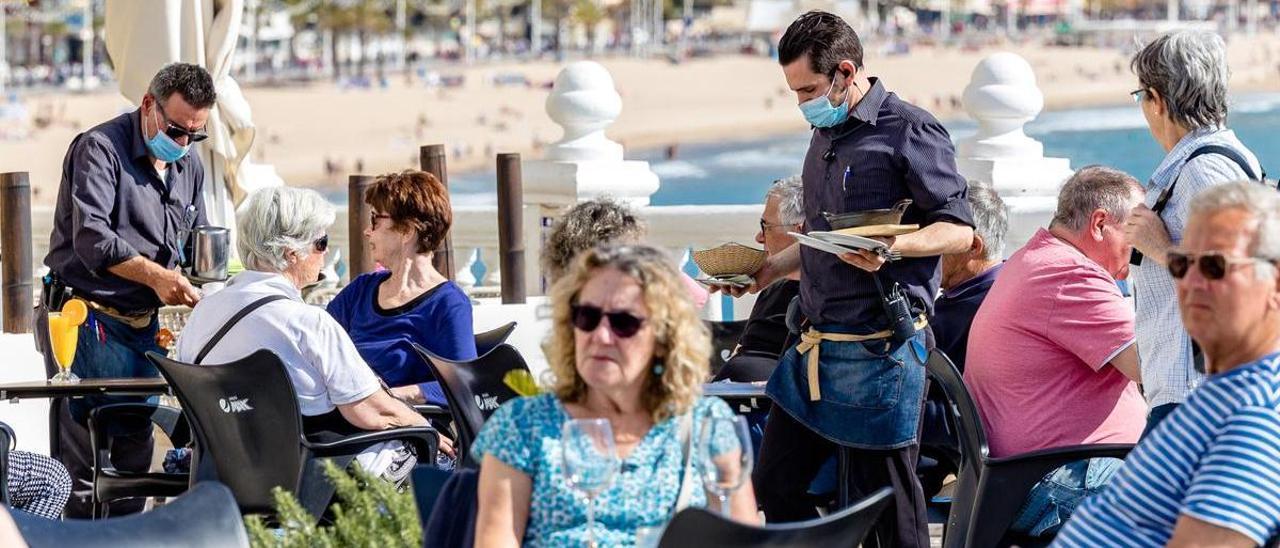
322 362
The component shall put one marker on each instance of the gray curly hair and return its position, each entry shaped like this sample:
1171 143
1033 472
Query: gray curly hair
586 225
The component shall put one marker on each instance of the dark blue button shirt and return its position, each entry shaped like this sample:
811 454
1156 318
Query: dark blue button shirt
953 314
893 150
113 206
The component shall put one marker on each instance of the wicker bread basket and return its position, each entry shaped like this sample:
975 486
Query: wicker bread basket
728 259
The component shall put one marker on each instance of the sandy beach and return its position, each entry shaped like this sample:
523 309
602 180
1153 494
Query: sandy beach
721 98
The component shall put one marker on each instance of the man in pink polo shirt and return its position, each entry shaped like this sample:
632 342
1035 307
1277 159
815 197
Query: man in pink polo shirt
1051 355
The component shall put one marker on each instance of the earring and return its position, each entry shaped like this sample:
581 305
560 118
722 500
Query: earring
658 369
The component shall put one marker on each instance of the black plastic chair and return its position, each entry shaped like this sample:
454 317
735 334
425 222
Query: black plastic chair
8 440
989 492
724 339
492 338
111 484
474 389
205 516
248 431
699 527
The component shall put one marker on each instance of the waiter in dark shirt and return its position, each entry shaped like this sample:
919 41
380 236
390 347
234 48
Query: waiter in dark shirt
853 380
129 196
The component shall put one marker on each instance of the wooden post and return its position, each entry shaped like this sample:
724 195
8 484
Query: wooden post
15 251
511 228
432 160
357 221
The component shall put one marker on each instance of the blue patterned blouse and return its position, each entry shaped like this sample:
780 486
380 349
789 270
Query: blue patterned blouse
525 434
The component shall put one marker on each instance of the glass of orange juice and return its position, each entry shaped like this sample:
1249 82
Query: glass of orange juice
64 331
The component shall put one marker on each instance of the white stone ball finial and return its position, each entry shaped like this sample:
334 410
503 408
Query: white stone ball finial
1002 96
584 102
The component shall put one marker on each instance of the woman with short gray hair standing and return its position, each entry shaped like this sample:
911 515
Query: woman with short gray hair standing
1182 91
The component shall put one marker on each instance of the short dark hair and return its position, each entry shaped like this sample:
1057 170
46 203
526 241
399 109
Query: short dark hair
192 81
825 38
417 202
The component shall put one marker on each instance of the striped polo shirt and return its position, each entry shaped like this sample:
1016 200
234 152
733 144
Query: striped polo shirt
1216 458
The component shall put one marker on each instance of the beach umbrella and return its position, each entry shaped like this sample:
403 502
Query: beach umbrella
144 35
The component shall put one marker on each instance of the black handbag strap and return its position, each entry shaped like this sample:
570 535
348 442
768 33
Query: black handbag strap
1228 152
232 322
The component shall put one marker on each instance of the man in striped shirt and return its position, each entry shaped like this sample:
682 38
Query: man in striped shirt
1209 474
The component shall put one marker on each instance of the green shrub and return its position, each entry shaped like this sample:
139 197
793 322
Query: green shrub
370 513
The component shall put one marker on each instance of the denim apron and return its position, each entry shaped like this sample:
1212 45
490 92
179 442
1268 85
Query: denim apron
870 392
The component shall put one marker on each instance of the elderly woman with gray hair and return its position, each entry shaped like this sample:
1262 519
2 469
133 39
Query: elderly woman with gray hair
1182 91
283 242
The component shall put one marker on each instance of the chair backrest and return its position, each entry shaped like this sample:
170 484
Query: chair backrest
474 389
972 436
724 338
7 439
205 516
246 422
492 338
699 527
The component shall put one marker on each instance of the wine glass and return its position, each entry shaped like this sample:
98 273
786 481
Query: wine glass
724 447
64 331
590 461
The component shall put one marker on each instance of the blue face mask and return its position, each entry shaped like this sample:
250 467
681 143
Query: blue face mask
164 148
819 111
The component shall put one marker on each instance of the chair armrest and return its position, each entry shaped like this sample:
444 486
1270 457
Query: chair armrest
170 419
1028 468
424 438
433 412
1007 481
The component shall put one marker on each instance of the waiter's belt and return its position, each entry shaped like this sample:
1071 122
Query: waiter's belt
136 320
811 342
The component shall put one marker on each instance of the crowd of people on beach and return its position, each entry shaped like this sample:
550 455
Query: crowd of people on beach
1053 349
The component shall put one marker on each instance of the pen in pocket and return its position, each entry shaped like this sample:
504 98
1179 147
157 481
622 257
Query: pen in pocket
844 182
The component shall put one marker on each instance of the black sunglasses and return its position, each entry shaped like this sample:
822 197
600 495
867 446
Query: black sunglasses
322 244
1213 266
175 131
586 318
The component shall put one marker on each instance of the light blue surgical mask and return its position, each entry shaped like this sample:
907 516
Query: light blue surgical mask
163 147
821 113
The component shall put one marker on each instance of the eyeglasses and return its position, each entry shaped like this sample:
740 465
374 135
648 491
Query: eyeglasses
322 244
374 216
176 131
586 318
1137 94
1213 266
764 226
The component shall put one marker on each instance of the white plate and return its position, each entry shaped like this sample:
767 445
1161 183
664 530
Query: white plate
720 283
848 240
821 245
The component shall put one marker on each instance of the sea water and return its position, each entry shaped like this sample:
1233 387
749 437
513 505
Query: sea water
739 172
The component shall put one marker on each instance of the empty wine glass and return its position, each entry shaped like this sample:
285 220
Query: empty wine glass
590 461
725 451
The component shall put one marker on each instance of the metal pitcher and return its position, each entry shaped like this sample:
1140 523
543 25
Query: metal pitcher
210 248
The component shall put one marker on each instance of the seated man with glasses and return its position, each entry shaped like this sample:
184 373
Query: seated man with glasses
1051 356
764 338
1207 475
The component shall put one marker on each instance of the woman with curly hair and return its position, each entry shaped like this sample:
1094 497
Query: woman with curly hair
626 345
